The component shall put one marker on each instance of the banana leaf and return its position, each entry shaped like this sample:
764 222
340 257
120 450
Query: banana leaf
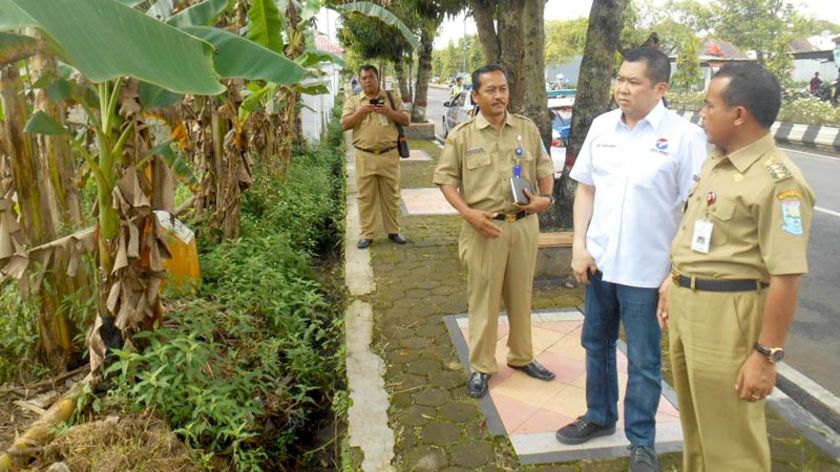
105 39
238 57
200 14
381 13
265 25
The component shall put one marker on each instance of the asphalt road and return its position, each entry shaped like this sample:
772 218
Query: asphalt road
435 108
813 346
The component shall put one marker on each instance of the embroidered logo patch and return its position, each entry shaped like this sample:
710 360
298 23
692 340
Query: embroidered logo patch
662 144
792 217
788 194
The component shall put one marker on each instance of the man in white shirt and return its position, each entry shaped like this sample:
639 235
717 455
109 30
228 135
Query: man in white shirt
634 174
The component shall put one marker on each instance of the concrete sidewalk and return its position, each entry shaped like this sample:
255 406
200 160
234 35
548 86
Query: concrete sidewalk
435 425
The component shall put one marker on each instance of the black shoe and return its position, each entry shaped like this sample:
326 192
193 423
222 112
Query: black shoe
364 243
643 459
397 238
535 370
477 384
582 430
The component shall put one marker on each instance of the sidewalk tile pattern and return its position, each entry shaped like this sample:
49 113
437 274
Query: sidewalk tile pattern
529 411
425 201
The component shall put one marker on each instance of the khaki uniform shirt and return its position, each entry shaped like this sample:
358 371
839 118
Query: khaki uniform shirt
761 208
479 161
375 131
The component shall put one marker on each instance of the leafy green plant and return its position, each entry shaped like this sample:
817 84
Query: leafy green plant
248 367
18 332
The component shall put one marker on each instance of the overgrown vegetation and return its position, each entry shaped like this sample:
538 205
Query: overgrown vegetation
808 111
248 368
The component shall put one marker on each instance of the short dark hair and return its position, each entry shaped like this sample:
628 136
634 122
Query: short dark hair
754 88
369 67
658 64
476 75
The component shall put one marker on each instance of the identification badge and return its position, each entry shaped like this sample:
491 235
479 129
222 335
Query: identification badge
702 238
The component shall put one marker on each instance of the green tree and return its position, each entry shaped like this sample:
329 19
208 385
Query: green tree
564 39
688 64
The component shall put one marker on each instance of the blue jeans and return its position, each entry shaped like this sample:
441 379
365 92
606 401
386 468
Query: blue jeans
606 305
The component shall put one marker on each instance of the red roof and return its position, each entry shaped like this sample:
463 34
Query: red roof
323 43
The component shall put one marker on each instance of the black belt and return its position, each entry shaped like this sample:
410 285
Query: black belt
711 285
374 151
511 217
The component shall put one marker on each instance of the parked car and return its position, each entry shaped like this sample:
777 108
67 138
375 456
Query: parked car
561 125
459 108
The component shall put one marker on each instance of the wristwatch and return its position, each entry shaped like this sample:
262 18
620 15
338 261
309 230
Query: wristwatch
773 354
550 198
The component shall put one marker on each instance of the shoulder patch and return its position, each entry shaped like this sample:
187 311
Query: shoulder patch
778 171
792 217
788 194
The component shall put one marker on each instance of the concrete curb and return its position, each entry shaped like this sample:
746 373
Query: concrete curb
368 413
815 136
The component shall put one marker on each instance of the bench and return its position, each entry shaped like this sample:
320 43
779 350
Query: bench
554 257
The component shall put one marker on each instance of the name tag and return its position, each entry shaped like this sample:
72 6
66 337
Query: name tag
475 150
702 237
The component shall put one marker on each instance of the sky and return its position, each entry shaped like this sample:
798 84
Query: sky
453 29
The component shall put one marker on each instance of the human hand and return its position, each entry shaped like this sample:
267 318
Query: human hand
756 379
482 222
663 307
583 264
365 110
536 203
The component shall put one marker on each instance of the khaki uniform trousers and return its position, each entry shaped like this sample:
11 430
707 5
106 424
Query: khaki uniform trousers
378 187
712 334
500 269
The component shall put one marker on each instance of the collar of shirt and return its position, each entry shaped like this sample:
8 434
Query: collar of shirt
481 122
743 158
653 118
363 96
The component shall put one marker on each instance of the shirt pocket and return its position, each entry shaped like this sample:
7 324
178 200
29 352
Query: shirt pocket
721 213
477 160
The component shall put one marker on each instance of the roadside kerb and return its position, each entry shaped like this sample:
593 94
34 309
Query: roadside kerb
814 136
367 415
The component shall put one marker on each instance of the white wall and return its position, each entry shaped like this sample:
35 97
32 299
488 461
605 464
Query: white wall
803 69
316 119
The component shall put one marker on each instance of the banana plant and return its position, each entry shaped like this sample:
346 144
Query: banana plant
111 44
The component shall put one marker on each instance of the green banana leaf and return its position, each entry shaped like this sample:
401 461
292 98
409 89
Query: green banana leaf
381 13
265 25
152 96
312 57
238 57
105 39
12 17
200 14
176 161
41 123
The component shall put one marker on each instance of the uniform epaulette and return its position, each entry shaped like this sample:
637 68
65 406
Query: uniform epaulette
778 171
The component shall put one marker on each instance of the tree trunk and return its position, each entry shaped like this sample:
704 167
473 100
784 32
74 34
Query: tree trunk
593 93
536 100
35 217
512 48
484 13
424 70
402 77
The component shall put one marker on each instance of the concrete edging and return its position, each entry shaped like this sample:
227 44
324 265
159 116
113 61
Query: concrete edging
816 136
368 413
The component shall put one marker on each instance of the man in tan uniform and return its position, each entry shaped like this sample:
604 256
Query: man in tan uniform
374 123
737 258
498 242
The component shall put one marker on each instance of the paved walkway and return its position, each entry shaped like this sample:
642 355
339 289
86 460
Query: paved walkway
420 291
